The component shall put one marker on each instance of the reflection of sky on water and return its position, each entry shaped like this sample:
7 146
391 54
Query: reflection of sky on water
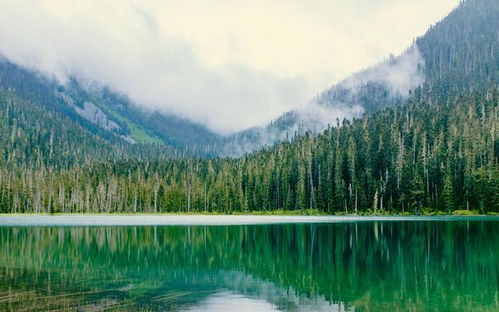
230 302
159 220
227 301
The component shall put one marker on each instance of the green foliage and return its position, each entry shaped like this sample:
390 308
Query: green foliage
461 52
424 154
437 153
465 212
144 126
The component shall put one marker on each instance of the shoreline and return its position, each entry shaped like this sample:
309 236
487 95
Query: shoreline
61 220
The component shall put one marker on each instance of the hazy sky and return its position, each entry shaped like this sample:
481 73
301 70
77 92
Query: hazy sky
229 64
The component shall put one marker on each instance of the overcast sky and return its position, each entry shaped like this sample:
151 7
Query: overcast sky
229 64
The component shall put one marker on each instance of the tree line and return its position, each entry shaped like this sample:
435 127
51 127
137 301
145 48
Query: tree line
435 153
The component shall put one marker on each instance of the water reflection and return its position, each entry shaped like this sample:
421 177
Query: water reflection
227 301
337 267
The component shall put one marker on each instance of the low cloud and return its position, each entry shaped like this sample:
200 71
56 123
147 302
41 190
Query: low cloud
398 74
229 66
393 80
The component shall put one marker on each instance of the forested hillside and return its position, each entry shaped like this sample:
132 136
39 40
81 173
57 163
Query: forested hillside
459 52
433 154
437 149
105 113
32 137
462 51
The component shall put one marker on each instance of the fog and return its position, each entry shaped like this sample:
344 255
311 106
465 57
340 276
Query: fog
228 65
397 76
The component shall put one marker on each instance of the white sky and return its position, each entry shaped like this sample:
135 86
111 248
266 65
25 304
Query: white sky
225 63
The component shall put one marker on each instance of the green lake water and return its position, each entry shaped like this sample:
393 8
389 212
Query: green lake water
354 266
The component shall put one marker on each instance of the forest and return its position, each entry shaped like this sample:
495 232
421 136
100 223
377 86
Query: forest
436 152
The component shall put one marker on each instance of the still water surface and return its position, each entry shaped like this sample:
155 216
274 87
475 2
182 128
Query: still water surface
355 266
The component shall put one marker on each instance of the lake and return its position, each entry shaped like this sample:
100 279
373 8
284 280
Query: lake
377 265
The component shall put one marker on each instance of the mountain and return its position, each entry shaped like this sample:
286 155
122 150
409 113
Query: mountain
384 85
33 137
462 51
459 52
436 154
105 113
432 150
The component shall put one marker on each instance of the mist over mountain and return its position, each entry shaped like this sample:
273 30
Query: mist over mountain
202 61
435 61
106 113
384 85
414 133
114 116
130 181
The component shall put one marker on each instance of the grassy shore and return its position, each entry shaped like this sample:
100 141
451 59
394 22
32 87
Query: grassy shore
307 212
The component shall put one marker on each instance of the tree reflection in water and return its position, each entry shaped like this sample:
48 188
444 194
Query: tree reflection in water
344 266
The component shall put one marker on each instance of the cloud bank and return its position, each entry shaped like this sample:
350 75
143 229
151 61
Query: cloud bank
372 89
399 75
229 65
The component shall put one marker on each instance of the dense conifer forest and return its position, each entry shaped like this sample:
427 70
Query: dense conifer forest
437 152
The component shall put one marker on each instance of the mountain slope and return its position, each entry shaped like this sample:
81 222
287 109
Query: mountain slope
105 113
32 137
436 153
461 51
